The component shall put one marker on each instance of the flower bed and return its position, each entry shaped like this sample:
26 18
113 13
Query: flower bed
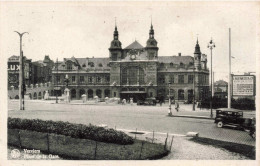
73 130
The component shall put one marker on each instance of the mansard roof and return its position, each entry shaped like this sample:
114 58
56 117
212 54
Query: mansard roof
134 45
175 59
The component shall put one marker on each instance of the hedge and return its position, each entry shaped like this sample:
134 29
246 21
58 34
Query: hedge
69 129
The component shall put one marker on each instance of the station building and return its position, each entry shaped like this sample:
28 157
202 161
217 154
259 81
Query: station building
136 72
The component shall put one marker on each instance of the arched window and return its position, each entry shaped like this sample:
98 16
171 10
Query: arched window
100 65
171 64
181 64
133 75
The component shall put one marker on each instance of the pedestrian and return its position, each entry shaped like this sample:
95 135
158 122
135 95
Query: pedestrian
177 106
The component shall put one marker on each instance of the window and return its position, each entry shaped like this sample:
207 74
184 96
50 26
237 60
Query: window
69 65
107 79
90 79
91 64
98 79
180 94
100 65
58 79
151 94
181 64
73 79
161 79
161 64
81 79
132 75
171 64
114 94
180 79
190 79
84 65
114 57
172 78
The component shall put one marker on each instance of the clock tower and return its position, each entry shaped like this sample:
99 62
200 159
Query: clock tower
115 50
151 46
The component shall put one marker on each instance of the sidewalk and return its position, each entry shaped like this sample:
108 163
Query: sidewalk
202 113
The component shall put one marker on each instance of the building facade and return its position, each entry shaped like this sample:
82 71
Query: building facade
135 72
34 72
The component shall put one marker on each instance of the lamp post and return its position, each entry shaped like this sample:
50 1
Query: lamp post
170 106
67 91
211 45
21 76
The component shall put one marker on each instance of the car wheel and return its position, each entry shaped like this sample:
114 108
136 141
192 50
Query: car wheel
220 124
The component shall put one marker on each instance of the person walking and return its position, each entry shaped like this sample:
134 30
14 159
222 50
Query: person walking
177 106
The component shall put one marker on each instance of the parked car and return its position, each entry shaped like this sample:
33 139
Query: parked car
233 117
147 101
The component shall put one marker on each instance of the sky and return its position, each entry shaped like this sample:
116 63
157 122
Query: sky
85 29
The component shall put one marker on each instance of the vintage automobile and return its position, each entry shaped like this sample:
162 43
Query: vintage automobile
147 101
233 117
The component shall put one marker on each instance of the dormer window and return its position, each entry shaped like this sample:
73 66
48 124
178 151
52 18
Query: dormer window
84 65
69 65
161 64
171 64
100 65
91 64
181 64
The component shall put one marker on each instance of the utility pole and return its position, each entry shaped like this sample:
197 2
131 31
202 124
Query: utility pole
229 72
21 76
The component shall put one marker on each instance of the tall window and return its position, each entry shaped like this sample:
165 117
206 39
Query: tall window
98 79
180 79
73 79
190 79
132 75
172 78
58 79
107 79
90 79
81 79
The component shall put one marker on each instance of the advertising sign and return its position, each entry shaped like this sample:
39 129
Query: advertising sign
243 85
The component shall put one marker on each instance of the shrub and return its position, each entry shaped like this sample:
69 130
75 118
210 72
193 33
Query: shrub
69 129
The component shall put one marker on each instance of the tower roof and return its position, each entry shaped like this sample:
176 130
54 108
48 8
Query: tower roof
134 45
197 48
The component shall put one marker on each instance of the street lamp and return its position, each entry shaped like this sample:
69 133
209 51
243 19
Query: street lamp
21 79
211 45
170 106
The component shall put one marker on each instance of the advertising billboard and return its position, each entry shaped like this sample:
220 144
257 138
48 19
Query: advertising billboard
243 85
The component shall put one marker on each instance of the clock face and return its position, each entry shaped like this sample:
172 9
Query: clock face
133 54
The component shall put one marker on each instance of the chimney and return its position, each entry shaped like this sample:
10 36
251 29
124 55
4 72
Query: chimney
179 54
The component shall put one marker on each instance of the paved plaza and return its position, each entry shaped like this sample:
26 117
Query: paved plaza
131 117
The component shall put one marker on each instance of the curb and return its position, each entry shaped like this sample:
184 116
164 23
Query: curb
190 116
